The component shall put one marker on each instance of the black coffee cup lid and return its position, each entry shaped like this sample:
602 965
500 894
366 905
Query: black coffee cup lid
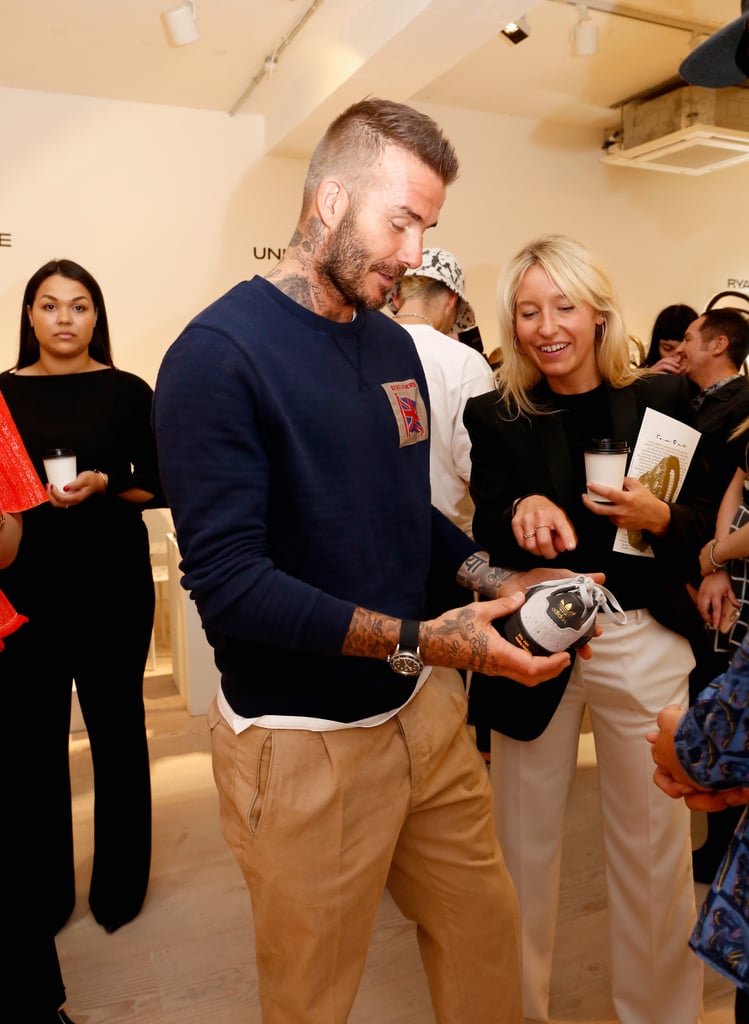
58 453
607 444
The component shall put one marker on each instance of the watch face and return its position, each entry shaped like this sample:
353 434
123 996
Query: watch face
406 663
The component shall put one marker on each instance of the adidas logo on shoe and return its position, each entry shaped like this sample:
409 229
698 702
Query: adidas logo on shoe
560 615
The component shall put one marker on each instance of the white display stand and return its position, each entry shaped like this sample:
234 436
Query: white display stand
193 668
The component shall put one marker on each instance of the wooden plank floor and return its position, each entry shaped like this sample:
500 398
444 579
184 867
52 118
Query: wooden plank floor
188 957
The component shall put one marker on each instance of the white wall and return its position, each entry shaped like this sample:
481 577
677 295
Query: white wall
166 207
663 237
162 205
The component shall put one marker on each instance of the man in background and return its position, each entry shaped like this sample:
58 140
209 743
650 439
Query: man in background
430 302
712 353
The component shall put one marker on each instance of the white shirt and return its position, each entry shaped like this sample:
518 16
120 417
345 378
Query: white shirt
455 372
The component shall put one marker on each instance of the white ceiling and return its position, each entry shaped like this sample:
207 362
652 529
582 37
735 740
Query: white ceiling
333 52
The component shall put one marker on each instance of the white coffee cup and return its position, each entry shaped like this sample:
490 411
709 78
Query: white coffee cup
60 466
605 463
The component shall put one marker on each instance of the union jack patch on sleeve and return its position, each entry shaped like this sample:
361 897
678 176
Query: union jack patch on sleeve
409 411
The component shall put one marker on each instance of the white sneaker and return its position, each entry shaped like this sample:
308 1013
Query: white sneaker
560 615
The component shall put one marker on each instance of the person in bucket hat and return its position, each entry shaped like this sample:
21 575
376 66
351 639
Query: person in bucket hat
438 265
430 302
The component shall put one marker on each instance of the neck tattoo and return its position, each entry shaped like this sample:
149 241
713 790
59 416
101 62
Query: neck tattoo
418 316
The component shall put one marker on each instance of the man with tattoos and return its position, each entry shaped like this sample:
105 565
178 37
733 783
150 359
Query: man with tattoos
292 421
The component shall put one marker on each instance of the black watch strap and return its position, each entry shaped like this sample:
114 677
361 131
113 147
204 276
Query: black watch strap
409 636
406 658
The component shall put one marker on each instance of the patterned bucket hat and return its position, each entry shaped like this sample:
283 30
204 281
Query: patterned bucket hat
441 265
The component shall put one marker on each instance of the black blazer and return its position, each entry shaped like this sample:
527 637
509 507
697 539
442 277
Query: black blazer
517 456
717 417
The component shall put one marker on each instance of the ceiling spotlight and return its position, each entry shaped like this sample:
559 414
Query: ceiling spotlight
516 31
181 24
584 35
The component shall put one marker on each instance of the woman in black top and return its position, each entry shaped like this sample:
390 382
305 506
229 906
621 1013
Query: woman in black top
83 577
669 328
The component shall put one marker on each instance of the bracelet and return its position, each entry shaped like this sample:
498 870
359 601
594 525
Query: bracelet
711 556
105 478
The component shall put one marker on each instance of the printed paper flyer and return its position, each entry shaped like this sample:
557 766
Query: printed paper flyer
660 461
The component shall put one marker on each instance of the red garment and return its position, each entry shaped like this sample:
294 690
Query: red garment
10 619
20 488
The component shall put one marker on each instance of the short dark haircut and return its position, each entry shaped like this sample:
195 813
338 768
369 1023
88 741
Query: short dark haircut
357 137
99 349
670 325
734 325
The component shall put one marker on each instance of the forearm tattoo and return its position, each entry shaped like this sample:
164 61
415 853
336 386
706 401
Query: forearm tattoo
476 574
371 635
443 641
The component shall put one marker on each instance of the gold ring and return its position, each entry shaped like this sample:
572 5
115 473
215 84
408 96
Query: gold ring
527 535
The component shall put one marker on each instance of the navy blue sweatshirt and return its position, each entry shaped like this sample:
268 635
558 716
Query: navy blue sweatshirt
294 452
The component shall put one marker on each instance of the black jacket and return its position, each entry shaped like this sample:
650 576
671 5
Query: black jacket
521 455
717 417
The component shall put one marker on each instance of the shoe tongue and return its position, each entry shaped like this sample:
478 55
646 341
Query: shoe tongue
583 588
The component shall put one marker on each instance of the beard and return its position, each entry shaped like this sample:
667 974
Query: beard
348 263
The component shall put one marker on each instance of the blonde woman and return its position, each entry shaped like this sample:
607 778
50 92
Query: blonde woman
566 378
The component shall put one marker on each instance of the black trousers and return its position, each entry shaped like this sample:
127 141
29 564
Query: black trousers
106 655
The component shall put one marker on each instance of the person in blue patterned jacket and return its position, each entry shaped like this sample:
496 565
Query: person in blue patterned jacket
702 755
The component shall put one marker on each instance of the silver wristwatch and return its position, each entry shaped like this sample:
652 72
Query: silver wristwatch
406 658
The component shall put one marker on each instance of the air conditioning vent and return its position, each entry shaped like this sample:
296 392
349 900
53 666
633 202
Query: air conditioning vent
688 130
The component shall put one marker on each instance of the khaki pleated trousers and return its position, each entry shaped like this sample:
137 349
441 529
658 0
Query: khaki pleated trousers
322 822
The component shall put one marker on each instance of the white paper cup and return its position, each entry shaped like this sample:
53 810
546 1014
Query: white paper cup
605 463
60 466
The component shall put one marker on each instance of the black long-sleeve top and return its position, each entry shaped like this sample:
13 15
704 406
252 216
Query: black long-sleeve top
105 417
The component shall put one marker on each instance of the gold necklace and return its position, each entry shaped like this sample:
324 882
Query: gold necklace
418 316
